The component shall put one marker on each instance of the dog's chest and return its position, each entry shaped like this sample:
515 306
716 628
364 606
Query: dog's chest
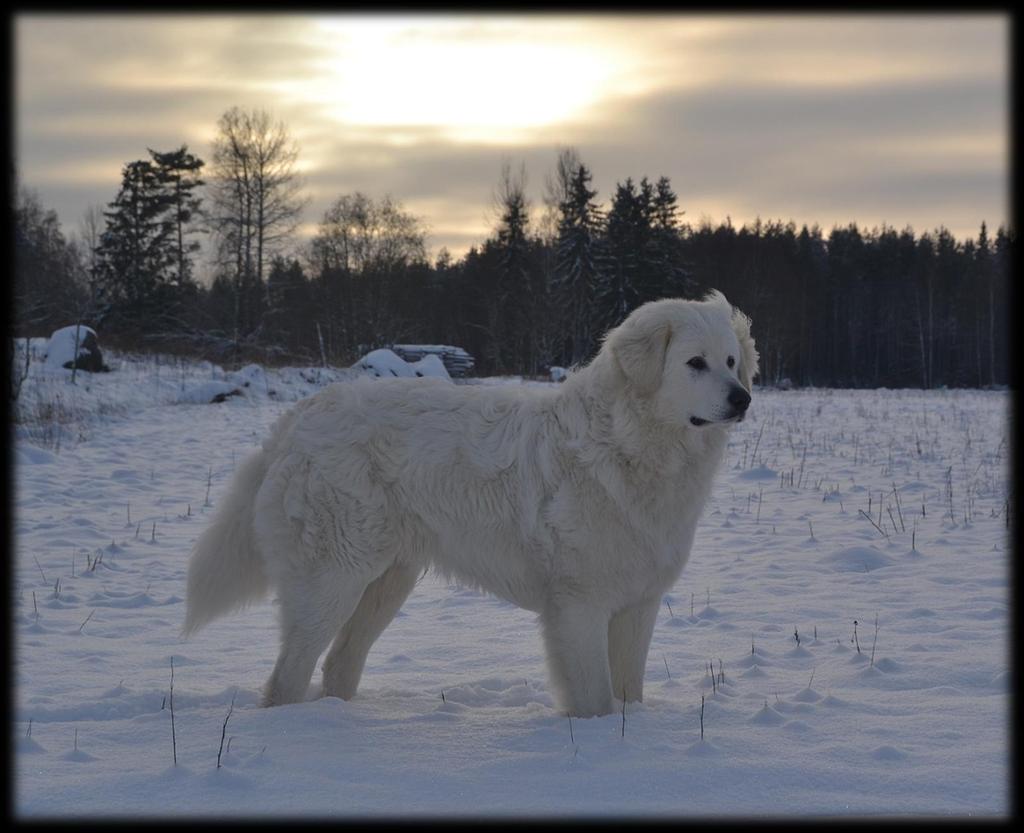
669 548
661 531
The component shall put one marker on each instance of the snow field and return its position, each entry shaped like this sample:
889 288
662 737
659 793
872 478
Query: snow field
804 535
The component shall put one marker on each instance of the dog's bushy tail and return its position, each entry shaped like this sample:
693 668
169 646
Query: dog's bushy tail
225 572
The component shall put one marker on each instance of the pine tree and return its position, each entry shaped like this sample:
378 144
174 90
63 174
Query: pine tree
178 173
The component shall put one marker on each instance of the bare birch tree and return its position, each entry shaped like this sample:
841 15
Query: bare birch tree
361 250
557 188
256 200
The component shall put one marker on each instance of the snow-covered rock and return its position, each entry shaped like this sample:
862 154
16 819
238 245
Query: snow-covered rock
60 351
430 365
386 364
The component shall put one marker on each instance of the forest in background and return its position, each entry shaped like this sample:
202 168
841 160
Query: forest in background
850 307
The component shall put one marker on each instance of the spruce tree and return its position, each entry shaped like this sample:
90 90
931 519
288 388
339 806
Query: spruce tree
290 317
1004 292
626 238
47 285
985 292
511 307
671 274
579 264
136 255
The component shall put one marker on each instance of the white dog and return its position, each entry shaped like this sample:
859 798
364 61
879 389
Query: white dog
578 502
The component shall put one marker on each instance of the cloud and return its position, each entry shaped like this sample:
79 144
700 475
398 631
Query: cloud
826 118
917 152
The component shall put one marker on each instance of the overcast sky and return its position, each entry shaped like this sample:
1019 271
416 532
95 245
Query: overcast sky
822 119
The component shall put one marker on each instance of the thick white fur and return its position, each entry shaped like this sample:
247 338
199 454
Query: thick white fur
577 501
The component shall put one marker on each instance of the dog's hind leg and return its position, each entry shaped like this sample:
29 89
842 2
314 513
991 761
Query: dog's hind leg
629 637
378 606
312 606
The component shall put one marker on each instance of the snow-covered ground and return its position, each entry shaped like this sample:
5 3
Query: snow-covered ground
803 714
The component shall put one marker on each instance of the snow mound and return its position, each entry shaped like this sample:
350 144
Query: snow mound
857 559
249 376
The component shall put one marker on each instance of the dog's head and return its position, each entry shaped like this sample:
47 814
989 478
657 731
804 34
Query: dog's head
695 360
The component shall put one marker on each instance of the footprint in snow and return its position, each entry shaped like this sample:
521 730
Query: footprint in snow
856 559
798 727
399 659
888 753
920 612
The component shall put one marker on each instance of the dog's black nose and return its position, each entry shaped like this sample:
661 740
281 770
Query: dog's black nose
739 399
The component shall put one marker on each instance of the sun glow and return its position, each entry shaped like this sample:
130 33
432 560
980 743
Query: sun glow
402 73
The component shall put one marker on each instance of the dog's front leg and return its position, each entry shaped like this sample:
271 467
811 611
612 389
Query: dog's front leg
576 639
629 637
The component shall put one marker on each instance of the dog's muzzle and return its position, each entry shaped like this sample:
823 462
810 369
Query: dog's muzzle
739 399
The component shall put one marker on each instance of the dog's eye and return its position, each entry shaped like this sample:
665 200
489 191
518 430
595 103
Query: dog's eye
730 361
698 363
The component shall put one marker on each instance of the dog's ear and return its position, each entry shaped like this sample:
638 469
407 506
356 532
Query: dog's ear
639 345
748 352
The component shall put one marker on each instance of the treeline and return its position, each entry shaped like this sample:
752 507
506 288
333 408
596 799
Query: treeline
850 308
